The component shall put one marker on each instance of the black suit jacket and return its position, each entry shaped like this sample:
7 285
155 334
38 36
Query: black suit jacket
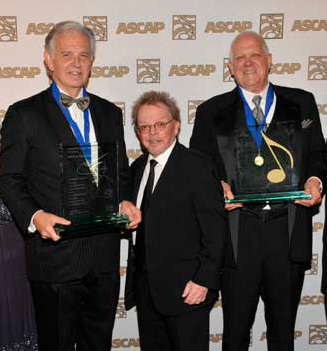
30 180
186 230
214 134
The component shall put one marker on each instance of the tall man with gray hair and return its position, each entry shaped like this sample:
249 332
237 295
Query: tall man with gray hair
271 244
75 283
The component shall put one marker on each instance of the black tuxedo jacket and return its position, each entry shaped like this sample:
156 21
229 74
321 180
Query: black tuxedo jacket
30 180
214 134
185 233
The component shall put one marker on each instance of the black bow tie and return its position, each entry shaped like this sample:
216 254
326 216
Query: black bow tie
82 102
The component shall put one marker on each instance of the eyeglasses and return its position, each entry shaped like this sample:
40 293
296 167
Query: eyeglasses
159 127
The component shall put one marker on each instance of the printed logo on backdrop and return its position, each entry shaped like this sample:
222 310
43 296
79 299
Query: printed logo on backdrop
8 28
228 27
307 300
216 338
125 343
133 154
306 25
318 334
297 334
192 106
322 108
272 25
227 76
121 312
314 266
285 68
121 105
148 71
109 71
19 72
122 271
317 68
2 116
184 27
191 70
39 28
99 26
218 303
317 226
140 27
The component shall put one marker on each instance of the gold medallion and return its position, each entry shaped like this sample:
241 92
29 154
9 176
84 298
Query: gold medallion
259 161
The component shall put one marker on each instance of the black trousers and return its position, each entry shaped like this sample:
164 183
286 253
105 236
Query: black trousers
263 270
187 331
80 312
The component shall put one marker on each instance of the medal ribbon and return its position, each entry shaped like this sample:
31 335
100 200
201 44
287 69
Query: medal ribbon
250 121
82 140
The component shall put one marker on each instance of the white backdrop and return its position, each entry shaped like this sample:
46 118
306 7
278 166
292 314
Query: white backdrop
181 47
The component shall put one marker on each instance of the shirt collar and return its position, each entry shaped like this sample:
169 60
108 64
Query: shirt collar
249 96
163 158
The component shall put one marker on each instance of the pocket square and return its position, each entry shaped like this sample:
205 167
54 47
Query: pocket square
306 123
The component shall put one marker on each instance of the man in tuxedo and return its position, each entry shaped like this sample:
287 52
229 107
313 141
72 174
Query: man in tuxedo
181 240
75 283
271 243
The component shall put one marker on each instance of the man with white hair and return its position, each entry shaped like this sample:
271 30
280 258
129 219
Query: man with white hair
272 244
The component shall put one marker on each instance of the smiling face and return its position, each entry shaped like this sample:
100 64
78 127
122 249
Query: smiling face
71 62
250 63
157 142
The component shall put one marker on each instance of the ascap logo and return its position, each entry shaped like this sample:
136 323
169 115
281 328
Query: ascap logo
148 71
314 266
140 27
109 71
285 68
317 226
227 76
134 153
8 28
191 70
306 25
121 312
318 334
312 300
39 28
317 68
121 105
272 25
184 27
322 109
192 106
98 25
132 342
216 338
297 334
19 72
228 27
2 114
218 303
122 271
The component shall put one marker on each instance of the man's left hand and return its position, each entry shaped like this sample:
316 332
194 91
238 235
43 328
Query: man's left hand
132 212
194 294
312 186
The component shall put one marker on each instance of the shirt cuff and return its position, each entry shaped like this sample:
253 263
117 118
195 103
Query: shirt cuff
31 228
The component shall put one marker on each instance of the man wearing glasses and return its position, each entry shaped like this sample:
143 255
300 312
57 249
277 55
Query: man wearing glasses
180 242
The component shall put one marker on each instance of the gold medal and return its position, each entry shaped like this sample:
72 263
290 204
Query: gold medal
259 161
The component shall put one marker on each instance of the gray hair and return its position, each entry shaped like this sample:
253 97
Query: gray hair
252 34
67 26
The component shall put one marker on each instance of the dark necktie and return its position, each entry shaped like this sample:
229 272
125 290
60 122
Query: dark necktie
140 233
82 102
257 111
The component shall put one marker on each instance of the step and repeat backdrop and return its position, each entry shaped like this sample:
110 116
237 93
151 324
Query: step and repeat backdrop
181 47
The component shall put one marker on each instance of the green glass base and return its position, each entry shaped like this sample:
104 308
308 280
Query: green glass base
113 224
269 197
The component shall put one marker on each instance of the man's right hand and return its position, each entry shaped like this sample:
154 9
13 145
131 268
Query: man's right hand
44 223
228 194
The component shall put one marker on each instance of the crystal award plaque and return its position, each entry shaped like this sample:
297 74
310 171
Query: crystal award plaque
268 173
89 190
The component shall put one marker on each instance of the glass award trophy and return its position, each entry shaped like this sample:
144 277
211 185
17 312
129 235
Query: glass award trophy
89 190
269 172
